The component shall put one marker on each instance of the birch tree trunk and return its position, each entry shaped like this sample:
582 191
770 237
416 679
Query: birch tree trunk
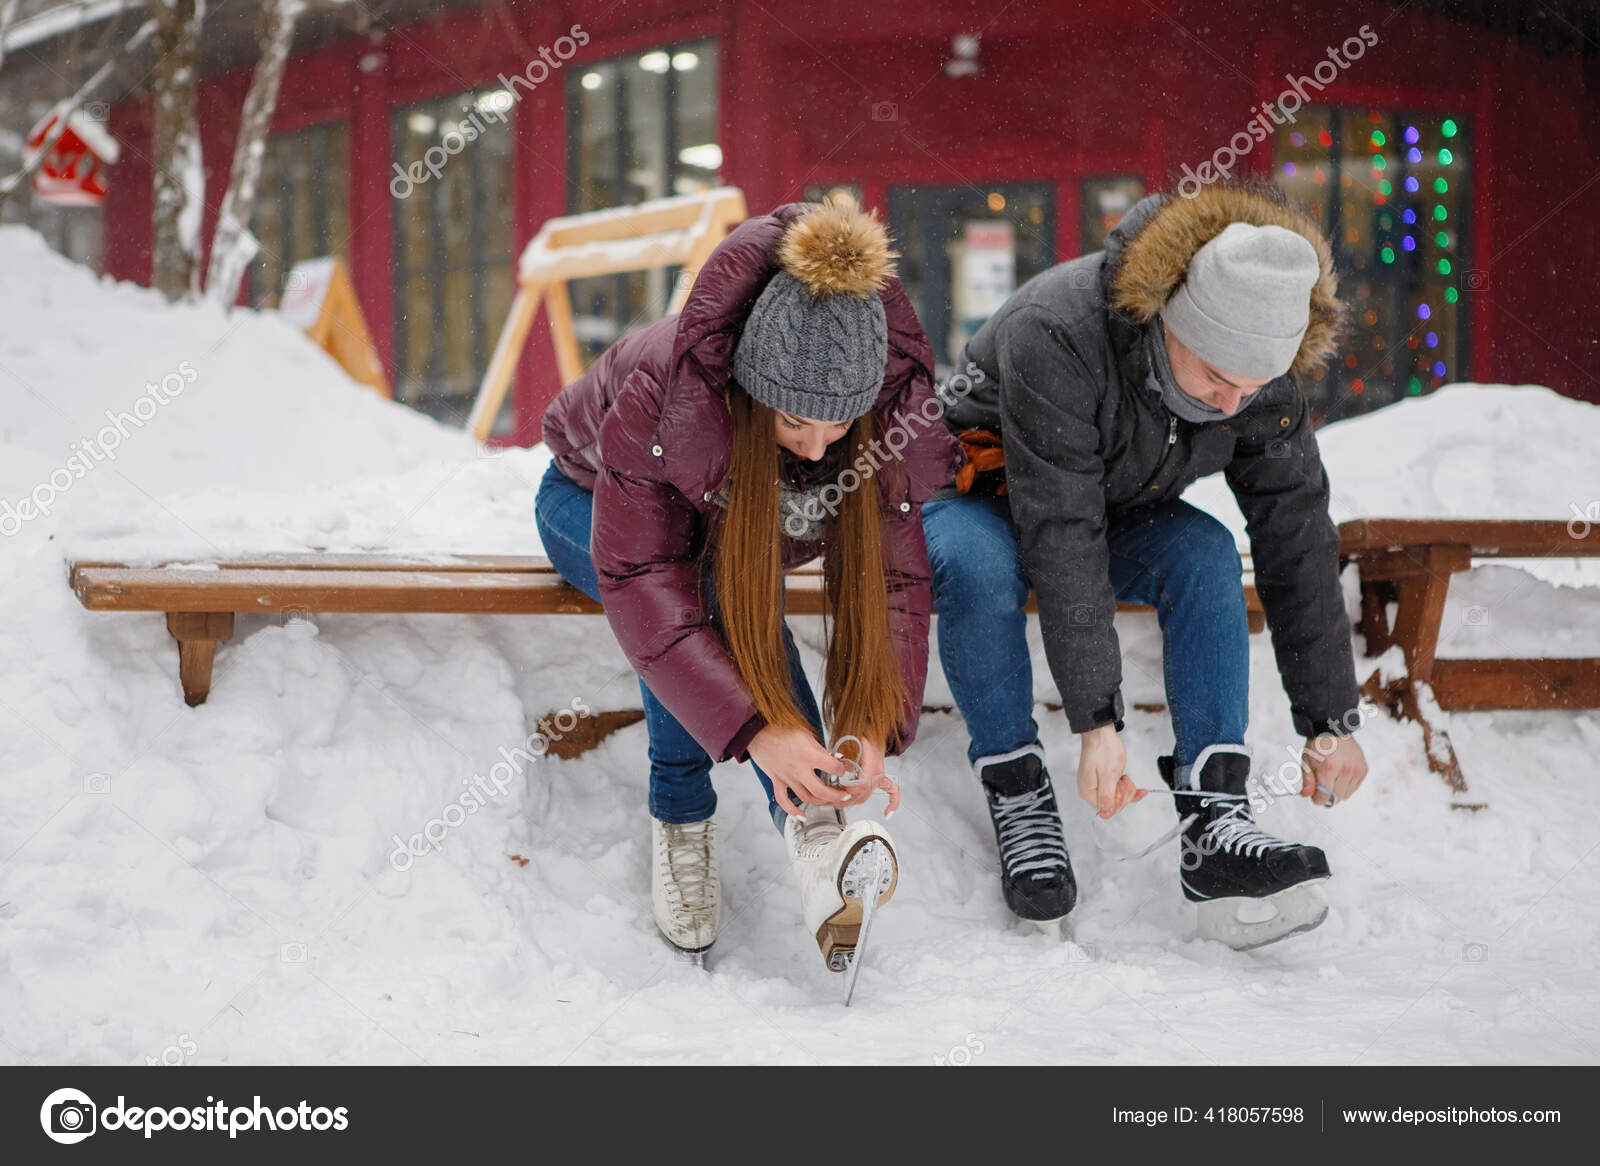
179 182
233 246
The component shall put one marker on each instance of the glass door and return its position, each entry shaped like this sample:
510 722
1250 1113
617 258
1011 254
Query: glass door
965 249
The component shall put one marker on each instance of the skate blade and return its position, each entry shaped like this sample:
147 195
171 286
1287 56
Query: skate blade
694 956
839 934
1049 928
1299 909
843 936
871 875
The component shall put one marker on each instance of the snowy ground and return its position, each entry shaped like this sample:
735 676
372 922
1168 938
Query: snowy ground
214 884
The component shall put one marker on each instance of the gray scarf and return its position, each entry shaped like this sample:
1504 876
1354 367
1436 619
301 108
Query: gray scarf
802 514
1161 381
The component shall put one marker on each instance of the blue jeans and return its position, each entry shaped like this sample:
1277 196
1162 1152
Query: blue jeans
1177 559
680 770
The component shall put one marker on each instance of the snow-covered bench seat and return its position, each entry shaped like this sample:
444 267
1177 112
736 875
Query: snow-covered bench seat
1409 562
200 599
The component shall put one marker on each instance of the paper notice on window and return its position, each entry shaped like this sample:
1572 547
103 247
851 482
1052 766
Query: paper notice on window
988 267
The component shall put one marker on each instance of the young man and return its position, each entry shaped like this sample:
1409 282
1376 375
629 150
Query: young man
1110 383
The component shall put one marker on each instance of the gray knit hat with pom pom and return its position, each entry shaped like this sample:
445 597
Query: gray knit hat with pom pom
816 342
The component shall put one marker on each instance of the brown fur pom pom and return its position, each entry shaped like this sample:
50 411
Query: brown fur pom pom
837 250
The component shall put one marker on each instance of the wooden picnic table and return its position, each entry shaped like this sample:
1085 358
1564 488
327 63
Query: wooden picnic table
1408 562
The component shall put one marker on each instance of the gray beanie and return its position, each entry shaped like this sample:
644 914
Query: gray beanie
816 341
1246 301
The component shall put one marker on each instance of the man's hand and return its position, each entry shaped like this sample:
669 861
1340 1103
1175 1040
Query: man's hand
1102 778
1336 764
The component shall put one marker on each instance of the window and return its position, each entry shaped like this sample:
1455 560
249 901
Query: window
849 193
302 208
965 249
452 249
1390 190
639 127
1101 204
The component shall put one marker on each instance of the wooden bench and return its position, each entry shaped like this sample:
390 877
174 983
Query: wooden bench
1409 562
200 600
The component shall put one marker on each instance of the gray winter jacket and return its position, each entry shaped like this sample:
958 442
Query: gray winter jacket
1064 385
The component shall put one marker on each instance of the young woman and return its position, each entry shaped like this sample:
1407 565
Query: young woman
699 459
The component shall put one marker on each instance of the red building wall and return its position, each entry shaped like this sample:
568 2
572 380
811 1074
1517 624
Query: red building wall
854 90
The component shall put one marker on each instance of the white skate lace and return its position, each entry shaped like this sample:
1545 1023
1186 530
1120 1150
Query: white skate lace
1235 832
816 835
1183 824
688 850
1029 830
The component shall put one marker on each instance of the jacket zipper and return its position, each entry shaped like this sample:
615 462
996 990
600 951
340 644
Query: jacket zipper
1172 439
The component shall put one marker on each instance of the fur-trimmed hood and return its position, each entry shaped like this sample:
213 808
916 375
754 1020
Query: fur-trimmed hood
1149 252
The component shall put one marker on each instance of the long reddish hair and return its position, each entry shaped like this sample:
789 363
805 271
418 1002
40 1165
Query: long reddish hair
864 692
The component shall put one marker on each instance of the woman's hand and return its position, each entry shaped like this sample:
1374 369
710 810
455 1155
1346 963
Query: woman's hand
872 770
1103 780
788 757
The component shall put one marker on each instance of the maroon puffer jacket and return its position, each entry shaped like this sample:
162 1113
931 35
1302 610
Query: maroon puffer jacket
647 431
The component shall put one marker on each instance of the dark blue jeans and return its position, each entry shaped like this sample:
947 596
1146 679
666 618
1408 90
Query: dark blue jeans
1171 556
680 770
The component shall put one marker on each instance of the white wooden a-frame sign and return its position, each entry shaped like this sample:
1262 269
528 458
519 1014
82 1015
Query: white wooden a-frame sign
665 232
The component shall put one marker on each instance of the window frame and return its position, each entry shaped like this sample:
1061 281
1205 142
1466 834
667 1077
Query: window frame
674 167
426 389
257 295
1332 396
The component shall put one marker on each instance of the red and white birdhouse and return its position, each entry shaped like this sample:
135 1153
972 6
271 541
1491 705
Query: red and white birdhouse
73 173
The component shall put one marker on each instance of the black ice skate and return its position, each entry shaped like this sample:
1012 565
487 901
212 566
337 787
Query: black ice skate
1231 868
1035 872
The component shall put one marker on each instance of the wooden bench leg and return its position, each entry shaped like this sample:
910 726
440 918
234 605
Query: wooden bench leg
198 633
1421 609
1421 593
1409 701
1376 596
586 733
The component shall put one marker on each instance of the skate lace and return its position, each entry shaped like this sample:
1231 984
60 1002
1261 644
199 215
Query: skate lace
816 835
1029 831
688 850
1235 832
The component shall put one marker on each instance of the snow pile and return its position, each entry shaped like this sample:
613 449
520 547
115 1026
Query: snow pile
222 884
1464 451
152 432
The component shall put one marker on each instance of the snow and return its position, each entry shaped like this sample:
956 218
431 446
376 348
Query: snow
53 22
632 253
1464 451
215 884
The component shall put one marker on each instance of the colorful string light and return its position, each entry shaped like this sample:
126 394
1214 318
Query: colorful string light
1399 230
